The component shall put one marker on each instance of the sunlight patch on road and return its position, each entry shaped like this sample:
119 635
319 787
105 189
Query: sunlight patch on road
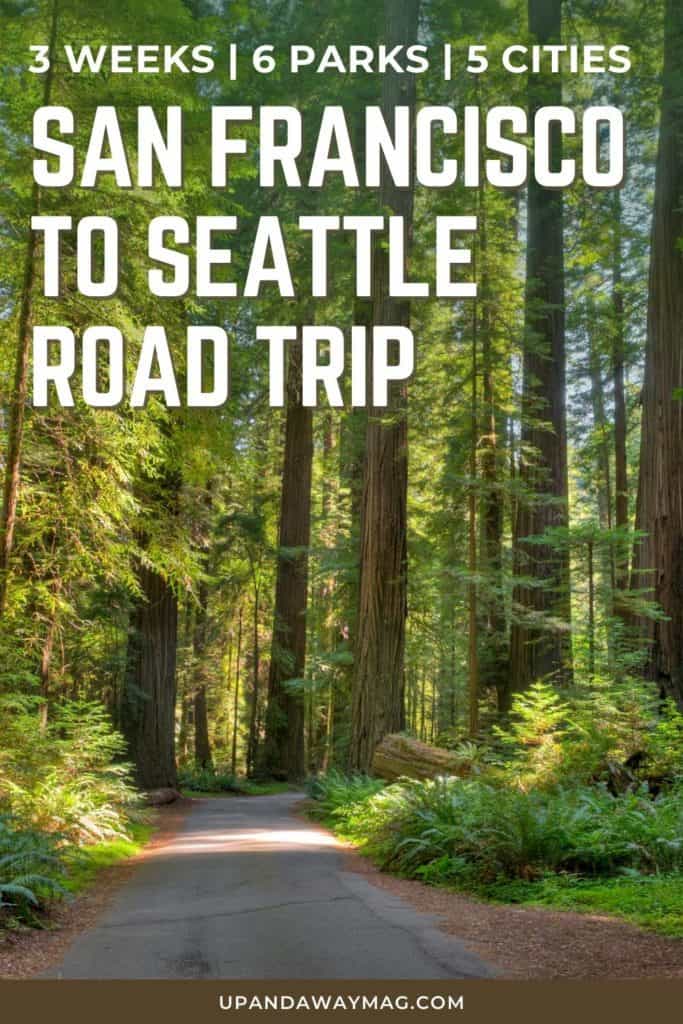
254 839
295 836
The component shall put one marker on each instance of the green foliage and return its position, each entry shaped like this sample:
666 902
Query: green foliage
552 740
217 781
534 736
651 901
337 794
475 831
83 863
251 787
29 867
37 866
665 744
208 780
61 777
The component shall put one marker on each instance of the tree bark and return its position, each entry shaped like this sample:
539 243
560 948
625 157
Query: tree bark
494 657
252 743
472 589
202 741
601 439
148 699
403 757
591 610
202 744
378 685
608 556
620 422
284 746
235 706
659 558
540 640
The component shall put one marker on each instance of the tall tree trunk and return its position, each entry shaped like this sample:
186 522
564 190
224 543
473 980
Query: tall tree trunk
378 685
202 745
186 711
236 698
252 743
620 423
329 622
601 438
354 424
540 642
660 493
17 411
148 699
200 641
494 657
284 747
472 589
591 610
608 556
185 726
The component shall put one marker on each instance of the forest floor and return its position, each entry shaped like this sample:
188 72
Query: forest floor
516 942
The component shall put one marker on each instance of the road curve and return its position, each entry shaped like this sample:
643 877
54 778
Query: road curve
246 890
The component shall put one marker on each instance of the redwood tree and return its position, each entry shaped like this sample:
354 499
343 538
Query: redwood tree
540 643
202 744
378 686
284 746
149 695
658 560
620 413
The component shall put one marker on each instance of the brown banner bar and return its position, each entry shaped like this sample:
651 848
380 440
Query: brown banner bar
193 1002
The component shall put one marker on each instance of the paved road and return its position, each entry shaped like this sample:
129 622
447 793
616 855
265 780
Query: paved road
246 890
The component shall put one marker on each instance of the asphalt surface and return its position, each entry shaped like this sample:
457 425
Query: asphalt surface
247 890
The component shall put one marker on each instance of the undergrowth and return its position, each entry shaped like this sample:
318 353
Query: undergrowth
544 816
65 793
217 781
578 847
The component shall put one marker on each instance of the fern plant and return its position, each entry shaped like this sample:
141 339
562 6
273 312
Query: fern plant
30 867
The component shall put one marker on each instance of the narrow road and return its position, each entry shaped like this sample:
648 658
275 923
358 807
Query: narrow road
247 890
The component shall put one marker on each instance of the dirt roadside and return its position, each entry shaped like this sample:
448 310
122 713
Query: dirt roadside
528 943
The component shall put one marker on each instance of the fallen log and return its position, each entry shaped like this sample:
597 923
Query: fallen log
401 756
159 797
